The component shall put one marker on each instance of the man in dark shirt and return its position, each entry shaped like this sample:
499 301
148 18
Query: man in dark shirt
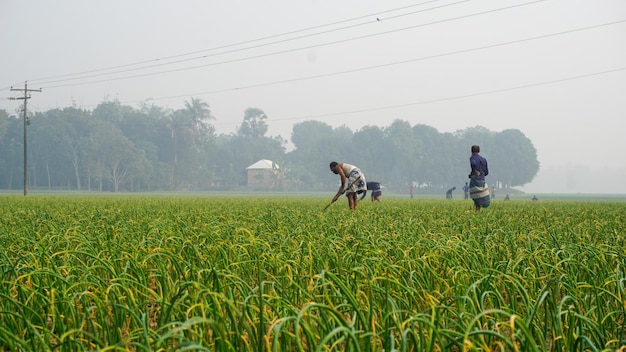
478 164
479 190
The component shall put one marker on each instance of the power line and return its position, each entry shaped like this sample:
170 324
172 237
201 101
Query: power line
450 53
424 58
457 97
229 52
439 100
402 62
244 42
288 50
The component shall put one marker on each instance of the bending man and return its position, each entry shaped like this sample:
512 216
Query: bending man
352 182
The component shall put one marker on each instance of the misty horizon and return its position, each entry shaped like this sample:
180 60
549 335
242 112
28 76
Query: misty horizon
552 69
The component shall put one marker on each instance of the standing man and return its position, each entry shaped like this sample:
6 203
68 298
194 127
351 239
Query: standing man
466 190
479 190
352 182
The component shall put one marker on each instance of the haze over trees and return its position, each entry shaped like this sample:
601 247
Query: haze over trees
118 148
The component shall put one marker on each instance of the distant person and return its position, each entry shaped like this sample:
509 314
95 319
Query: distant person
352 182
493 193
507 197
376 189
411 191
466 190
449 193
535 198
479 190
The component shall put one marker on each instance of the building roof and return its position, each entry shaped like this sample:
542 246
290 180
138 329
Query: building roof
263 164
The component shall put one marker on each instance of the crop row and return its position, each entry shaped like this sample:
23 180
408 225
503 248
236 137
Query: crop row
218 274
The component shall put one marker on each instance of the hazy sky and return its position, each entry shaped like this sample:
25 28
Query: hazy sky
554 69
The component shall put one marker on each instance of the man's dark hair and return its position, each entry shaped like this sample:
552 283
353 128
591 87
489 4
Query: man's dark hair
333 164
475 149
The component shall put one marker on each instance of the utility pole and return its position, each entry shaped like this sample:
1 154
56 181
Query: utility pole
25 98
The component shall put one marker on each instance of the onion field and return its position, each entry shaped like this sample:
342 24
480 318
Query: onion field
139 273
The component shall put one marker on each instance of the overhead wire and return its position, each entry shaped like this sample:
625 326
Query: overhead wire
388 64
457 97
294 49
47 79
450 53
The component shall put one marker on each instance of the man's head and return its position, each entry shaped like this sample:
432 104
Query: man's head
475 149
333 166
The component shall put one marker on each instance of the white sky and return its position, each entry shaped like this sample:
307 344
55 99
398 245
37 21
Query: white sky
554 69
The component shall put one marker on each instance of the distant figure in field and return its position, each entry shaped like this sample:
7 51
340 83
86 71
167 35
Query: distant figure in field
352 182
535 198
411 191
466 190
479 190
493 192
376 189
507 197
449 193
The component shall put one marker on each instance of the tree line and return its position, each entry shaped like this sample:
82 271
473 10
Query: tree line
118 148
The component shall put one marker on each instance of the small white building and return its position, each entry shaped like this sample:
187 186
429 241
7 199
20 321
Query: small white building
264 173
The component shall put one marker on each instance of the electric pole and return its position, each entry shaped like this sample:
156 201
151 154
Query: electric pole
25 98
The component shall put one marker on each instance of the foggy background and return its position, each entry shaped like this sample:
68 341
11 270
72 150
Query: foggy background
555 70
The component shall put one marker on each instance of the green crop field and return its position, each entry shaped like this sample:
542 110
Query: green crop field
277 274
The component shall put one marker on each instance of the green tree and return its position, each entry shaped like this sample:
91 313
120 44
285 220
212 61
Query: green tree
309 160
4 123
4 126
110 111
254 123
190 135
116 158
12 146
370 141
316 145
147 129
306 135
402 151
181 132
452 162
427 173
237 151
199 173
476 135
199 112
57 144
514 158
483 137
152 148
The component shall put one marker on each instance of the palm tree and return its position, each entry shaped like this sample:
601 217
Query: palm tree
189 130
254 124
199 112
178 127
